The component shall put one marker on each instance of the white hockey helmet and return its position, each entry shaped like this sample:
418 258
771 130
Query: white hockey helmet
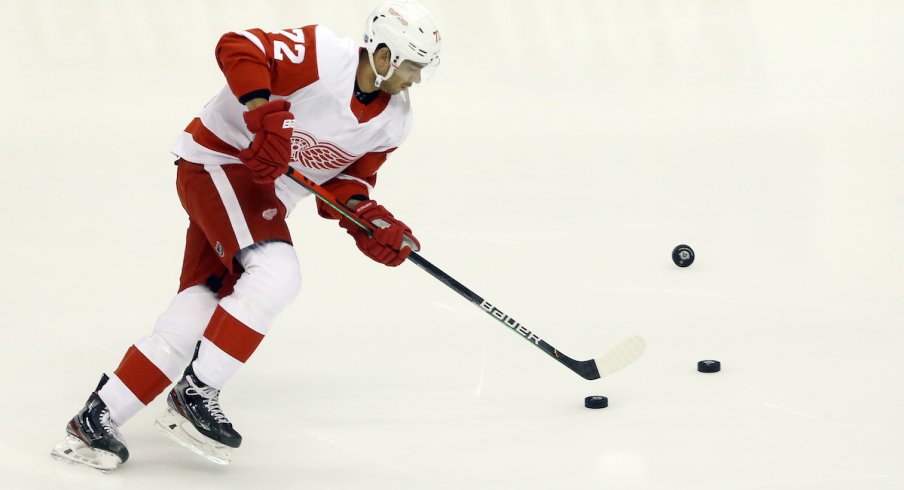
407 29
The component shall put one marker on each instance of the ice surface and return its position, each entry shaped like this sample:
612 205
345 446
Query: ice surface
559 154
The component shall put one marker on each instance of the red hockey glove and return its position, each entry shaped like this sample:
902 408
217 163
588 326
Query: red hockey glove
270 151
392 240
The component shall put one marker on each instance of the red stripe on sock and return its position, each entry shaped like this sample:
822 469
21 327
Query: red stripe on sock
141 376
232 336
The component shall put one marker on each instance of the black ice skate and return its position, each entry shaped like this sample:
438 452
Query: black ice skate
195 420
92 438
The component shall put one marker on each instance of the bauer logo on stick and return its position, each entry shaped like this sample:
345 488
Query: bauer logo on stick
511 322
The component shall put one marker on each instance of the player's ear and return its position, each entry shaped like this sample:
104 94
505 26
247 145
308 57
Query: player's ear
381 55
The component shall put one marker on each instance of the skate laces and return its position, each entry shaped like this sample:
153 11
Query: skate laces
211 398
107 423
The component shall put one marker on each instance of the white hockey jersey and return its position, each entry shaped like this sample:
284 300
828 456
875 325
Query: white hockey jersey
337 142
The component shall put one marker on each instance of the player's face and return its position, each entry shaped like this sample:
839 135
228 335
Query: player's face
404 76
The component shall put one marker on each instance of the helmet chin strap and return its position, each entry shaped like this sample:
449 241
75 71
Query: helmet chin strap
380 78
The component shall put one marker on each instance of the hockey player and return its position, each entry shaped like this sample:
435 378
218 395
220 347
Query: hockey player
331 109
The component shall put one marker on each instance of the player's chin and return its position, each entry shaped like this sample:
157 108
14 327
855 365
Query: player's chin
395 89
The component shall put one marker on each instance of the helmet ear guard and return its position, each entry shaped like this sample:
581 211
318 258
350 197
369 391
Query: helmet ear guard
408 30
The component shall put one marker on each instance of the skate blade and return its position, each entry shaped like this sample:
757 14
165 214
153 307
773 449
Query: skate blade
179 429
73 451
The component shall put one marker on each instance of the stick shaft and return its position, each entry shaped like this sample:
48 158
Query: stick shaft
586 369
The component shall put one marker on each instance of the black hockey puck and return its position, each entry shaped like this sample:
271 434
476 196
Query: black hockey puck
596 401
709 366
683 255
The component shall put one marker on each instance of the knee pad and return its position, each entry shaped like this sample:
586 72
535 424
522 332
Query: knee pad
270 282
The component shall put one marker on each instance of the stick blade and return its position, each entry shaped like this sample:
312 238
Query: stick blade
623 354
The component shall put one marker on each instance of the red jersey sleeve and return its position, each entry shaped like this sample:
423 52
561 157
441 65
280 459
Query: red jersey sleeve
258 62
351 181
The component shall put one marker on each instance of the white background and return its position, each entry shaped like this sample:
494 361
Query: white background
560 153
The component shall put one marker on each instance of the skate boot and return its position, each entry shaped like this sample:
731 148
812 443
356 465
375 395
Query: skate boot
195 420
92 438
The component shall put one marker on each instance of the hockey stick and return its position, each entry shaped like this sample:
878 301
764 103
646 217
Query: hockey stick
623 354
